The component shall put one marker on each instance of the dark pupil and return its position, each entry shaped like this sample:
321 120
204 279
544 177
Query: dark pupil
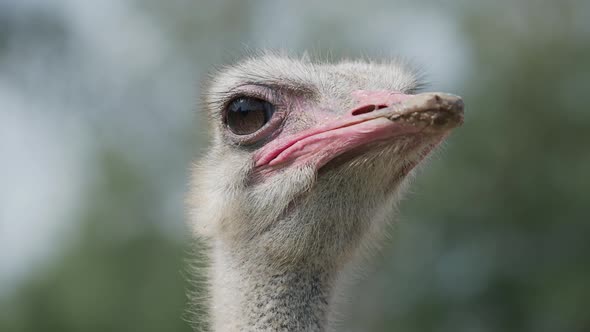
247 115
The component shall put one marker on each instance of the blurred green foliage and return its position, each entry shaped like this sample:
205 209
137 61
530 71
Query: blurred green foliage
122 274
493 237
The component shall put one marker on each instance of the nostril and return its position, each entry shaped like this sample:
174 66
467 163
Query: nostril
367 109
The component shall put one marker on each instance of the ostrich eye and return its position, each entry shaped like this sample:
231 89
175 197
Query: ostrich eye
247 115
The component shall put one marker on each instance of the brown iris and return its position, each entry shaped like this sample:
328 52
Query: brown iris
246 115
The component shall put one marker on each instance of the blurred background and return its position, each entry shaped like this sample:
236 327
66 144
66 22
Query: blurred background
99 124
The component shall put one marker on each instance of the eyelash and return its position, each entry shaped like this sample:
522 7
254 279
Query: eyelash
272 97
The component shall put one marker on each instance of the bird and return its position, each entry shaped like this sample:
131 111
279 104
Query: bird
306 164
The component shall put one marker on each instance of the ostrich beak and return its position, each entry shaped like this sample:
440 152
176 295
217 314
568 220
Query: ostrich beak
426 114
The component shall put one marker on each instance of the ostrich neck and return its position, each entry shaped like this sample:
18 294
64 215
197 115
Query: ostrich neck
250 295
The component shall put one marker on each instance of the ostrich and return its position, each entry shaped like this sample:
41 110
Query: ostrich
306 163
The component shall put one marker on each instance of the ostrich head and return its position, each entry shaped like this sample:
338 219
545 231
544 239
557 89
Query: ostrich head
308 159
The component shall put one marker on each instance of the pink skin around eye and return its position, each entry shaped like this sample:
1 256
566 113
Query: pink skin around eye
338 134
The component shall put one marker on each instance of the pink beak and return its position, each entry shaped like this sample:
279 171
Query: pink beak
381 116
